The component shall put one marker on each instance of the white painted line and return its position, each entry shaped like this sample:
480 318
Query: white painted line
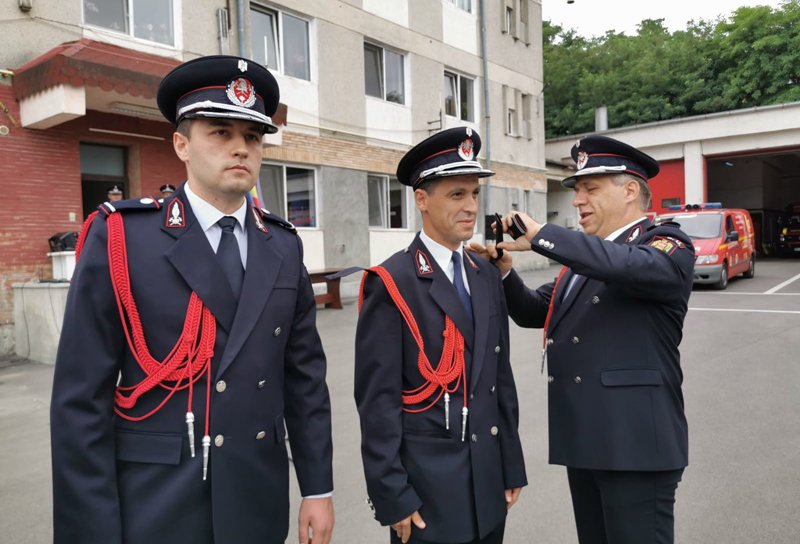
731 293
742 310
782 285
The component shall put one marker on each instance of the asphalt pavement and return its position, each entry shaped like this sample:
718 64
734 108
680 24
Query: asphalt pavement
742 390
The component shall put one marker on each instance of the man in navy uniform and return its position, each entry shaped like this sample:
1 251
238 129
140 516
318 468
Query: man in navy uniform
433 382
613 322
189 341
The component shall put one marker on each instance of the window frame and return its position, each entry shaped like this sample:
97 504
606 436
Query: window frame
459 91
457 2
285 212
383 49
386 218
129 32
279 43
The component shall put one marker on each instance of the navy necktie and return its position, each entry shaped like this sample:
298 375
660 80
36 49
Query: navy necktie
458 282
229 256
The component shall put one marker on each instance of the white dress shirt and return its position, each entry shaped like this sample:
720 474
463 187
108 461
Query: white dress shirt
207 216
444 258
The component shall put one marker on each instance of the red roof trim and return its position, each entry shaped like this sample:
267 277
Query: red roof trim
87 63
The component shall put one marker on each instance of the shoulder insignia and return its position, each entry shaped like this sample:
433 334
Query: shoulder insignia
667 244
423 264
138 204
272 218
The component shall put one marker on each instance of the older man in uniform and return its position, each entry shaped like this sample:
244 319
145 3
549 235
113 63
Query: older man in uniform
189 340
612 325
433 382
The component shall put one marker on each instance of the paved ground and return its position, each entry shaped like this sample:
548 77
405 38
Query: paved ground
742 389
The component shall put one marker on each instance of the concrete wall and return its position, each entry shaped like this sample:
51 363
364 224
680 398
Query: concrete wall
345 215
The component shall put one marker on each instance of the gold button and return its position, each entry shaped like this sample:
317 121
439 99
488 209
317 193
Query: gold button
219 440
221 386
260 435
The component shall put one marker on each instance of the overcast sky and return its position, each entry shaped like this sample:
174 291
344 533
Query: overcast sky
595 17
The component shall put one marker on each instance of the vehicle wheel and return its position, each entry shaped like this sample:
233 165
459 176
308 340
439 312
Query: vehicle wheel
751 270
722 284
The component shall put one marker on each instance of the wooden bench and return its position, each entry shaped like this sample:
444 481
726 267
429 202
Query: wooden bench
331 298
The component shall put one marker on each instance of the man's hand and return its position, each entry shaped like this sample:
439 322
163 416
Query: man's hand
403 528
316 514
511 496
489 252
523 243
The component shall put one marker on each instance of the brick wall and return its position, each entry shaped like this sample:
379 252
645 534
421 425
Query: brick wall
40 183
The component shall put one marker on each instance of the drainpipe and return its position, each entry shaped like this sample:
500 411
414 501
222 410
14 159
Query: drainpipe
487 117
240 26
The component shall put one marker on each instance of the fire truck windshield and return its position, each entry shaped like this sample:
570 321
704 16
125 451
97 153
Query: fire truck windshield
698 225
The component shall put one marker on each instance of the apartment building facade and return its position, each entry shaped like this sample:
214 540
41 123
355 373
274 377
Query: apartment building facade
361 81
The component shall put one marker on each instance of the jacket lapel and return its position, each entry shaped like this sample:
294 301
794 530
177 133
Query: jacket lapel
261 273
190 248
442 290
481 306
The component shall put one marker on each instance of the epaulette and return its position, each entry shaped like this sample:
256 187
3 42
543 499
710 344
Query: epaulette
140 204
266 215
668 223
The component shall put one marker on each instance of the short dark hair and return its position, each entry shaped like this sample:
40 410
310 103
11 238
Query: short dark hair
184 127
428 185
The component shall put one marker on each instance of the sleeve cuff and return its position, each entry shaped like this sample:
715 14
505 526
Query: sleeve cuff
320 496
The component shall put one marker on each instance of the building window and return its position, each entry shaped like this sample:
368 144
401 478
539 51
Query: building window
466 5
150 20
388 202
383 74
280 42
459 98
527 116
511 121
667 202
509 21
290 192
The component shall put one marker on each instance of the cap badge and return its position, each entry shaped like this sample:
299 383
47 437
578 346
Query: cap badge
241 92
175 215
423 265
583 158
465 150
242 65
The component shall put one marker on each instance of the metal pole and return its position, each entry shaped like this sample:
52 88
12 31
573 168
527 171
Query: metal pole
240 26
487 117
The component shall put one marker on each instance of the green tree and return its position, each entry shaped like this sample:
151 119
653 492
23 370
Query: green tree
749 59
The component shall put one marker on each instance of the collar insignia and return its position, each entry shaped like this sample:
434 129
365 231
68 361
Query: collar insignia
175 215
259 223
633 234
423 264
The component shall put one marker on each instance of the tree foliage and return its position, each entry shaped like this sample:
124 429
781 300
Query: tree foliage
750 58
